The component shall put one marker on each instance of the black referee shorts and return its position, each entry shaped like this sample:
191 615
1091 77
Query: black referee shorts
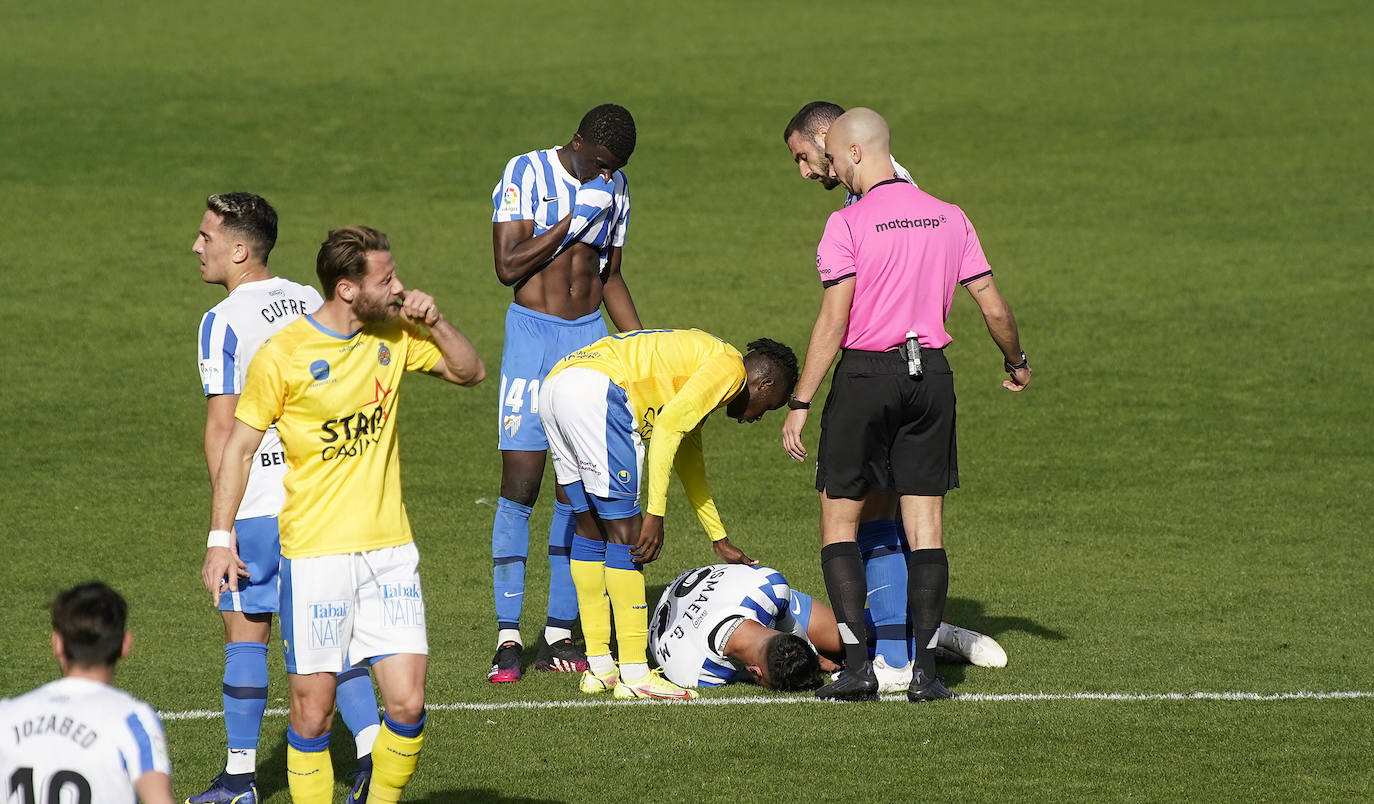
882 427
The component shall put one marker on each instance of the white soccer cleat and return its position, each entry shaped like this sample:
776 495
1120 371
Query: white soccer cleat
891 679
979 649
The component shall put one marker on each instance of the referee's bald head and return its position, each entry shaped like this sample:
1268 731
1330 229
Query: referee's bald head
859 126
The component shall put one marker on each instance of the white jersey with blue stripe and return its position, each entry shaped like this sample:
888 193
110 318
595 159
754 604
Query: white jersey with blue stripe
536 187
76 739
901 173
699 611
230 334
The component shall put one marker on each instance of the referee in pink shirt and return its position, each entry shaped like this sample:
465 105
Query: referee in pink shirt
889 264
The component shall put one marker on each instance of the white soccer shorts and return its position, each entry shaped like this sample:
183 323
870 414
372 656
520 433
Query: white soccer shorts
338 610
592 433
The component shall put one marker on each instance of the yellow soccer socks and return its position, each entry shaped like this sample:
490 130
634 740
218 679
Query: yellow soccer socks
588 566
625 585
394 757
309 773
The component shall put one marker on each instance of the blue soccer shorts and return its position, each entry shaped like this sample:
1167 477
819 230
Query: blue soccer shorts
534 343
259 546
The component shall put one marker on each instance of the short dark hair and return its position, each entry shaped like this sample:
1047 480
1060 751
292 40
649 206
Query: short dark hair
90 619
612 126
343 255
792 664
782 359
811 117
249 215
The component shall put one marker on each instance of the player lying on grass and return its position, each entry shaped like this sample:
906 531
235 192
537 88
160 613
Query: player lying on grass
733 622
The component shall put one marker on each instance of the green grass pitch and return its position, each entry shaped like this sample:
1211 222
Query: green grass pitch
1176 199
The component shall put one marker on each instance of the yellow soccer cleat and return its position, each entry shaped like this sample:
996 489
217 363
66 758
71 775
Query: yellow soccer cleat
653 685
592 683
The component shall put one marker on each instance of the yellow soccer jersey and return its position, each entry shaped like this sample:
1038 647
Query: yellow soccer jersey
333 398
674 378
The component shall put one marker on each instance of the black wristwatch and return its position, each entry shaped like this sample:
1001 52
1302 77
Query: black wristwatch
796 404
1010 366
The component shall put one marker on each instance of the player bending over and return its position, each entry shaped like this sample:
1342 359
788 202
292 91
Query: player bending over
599 406
729 622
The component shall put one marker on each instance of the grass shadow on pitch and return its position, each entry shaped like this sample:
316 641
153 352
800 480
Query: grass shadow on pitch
973 614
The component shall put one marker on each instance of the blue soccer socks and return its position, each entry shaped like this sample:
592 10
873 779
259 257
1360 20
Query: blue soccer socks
245 701
357 704
510 548
562 593
880 545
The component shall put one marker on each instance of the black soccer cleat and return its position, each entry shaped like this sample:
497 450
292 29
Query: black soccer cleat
926 687
561 656
505 665
852 685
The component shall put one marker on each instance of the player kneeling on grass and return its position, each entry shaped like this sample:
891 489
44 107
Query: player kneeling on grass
600 406
723 623
350 585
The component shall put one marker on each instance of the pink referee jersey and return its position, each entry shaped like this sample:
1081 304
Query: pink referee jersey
906 251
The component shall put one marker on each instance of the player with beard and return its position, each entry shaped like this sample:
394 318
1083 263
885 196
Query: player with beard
237 233
805 138
881 544
350 587
889 265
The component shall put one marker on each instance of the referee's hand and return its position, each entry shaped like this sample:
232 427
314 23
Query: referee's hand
1020 378
791 434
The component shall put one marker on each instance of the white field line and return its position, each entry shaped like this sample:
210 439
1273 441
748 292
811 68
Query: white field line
973 697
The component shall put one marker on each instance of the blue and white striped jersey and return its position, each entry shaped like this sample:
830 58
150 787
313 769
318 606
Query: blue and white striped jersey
230 334
536 187
901 174
76 739
702 607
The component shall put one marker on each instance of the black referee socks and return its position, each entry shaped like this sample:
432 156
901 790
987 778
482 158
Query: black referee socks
927 585
843 569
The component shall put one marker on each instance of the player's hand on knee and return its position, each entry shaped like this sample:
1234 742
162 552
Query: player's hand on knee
650 541
731 554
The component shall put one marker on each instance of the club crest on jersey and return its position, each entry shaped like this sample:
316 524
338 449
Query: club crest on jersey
319 369
624 476
511 424
383 354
